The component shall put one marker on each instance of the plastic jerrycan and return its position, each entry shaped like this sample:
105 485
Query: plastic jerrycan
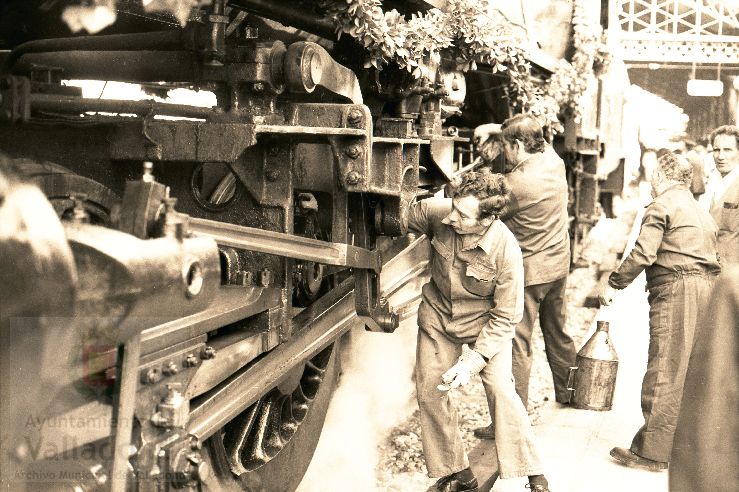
592 382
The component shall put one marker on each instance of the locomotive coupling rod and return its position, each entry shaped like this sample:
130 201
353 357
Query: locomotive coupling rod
288 245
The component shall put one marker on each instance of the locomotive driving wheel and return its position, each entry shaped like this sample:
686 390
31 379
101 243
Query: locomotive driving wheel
269 446
65 189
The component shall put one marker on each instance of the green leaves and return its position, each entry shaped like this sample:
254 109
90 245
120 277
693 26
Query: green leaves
463 31
470 31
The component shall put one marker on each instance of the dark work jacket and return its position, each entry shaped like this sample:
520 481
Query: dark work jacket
537 216
676 235
475 294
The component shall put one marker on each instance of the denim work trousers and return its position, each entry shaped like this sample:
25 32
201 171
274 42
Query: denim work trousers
548 302
442 442
673 311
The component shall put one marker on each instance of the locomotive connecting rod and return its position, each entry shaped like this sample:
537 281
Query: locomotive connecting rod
288 245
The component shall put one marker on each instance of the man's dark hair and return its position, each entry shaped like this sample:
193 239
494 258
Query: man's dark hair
526 129
676 168
725 130
488 187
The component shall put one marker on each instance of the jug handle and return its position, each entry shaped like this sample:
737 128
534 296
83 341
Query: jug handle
570 382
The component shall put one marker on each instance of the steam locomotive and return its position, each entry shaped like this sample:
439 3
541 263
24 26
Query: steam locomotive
178 323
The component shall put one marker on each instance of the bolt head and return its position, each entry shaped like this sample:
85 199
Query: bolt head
208 353
353 151
171 369
242 277
355 117
353 178
265 278
151 376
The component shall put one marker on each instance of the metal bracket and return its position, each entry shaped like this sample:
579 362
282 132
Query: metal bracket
373 309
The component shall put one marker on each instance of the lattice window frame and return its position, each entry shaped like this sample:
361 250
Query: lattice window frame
656 30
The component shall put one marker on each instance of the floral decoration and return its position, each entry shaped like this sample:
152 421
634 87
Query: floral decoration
465 31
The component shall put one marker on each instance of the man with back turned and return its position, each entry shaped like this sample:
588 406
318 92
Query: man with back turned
537 217
677 250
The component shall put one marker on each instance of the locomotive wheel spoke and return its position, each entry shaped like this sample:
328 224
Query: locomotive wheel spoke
299 404
255 454
235 442
258 435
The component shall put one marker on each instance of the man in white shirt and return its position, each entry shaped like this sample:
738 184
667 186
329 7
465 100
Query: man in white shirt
724 203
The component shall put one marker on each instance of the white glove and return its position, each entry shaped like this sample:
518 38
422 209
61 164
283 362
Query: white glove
470 364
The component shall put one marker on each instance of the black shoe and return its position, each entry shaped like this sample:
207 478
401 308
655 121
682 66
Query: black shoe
629 458
537 488
455 483
487 432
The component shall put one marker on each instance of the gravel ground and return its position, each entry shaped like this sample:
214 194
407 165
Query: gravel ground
401 465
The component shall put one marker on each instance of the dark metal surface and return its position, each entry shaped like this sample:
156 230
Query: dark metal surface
230 305
370 306
289 245
289 14
124 66
160 41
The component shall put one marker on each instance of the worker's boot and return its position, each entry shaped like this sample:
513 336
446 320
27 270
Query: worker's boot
487 432
461 481
629 458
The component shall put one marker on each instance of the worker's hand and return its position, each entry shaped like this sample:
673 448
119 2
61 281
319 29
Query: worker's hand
489 149
469 365
606 295
484 132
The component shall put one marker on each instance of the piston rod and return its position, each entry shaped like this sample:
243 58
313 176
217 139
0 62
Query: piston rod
288 245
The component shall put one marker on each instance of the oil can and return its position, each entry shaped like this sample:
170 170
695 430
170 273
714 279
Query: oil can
592 381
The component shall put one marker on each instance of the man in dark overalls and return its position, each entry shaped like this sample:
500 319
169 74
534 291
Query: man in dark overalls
677 250
474 297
